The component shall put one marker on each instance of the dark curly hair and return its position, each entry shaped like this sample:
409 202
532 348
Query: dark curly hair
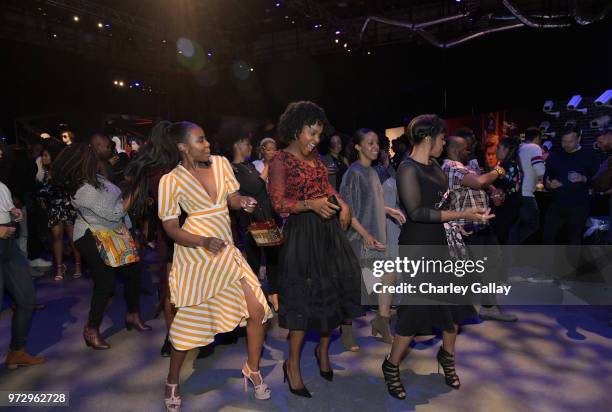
296 116
425 125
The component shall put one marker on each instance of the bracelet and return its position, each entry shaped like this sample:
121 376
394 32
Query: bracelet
500 170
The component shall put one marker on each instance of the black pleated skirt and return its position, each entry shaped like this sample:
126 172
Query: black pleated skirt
319 277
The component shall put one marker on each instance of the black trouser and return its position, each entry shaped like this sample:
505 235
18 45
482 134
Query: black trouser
527 223
37 227
559 216
104 281
15 274
484 244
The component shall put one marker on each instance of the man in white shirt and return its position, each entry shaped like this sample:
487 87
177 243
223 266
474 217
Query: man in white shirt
15 274
533 168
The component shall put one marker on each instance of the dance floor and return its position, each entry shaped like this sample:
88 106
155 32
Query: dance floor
553 359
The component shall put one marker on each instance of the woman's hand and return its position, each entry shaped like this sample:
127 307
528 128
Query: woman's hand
213 244
397 215
247 204
323 207
370 243
345 216
273 299
478 214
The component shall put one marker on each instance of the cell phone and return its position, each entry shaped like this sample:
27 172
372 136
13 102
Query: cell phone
333 200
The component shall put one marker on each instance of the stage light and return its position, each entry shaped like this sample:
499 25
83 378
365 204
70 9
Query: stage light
369 53
116 83
286 17
100 25
120 84
164 41
209 54
574 103
605 99
252 69
137 84
548 106
337 32
337 41
277 4
345 45
107 26
292 21
75 18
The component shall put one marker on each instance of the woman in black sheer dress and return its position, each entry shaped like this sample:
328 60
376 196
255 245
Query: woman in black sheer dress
421 186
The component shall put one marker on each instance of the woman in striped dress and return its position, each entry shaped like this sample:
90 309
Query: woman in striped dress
211 284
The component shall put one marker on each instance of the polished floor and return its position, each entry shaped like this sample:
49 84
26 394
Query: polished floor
553 359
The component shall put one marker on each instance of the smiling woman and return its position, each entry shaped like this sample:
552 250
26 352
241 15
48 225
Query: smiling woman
318 273
210 282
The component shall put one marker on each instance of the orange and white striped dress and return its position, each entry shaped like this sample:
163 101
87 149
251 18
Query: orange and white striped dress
205 288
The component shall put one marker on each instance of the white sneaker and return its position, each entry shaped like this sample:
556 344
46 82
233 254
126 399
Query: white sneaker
40 263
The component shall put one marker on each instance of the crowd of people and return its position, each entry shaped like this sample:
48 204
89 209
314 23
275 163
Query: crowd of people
338 201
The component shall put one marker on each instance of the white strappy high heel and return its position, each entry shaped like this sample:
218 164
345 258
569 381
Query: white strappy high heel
173 403
261 391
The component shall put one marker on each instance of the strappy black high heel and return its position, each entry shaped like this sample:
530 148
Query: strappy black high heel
391 373
447 361
303 392
327 375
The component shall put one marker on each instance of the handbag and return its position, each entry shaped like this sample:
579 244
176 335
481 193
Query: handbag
116 247
266 232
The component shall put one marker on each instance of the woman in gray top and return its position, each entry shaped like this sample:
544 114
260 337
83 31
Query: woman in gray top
101 206
368 236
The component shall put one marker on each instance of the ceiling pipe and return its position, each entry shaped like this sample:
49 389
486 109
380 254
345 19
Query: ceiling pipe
583 21
411 26
529 23
471 36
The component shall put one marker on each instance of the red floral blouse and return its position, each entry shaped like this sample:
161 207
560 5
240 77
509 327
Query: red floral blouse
292 181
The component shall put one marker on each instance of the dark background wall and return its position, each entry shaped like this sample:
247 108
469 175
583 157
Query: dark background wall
513 70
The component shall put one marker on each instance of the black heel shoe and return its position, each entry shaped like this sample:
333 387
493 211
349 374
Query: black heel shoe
393 381
327 375
303 392
447 361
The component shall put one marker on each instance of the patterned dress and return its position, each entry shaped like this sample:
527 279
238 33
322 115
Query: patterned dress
206 289
59 206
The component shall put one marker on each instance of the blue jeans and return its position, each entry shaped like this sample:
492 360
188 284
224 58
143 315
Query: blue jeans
15 275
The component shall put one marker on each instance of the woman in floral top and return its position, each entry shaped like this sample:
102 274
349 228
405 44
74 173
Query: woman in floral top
60 213
507 197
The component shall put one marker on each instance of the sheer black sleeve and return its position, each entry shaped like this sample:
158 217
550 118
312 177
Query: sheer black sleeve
410 192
